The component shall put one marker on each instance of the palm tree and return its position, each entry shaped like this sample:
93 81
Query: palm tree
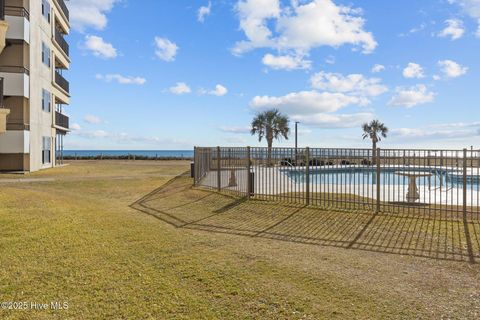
374 130
270 124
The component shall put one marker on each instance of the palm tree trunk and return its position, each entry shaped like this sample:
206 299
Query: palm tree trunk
269 152
374 156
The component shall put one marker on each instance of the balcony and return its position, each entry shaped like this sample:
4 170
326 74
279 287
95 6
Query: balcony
14 63
62 120
17 81
62 42
3 26
3 112
62 82
19 117
1 92
64 8
16 12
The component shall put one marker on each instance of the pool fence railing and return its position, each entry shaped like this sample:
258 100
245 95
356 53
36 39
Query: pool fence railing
400 181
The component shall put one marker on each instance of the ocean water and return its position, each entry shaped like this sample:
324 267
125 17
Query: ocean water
144 153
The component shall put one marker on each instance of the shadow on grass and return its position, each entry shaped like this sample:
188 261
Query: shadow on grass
430 236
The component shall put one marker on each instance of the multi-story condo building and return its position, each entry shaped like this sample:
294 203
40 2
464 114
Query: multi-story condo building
33 91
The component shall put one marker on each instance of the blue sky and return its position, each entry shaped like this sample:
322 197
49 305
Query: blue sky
158 74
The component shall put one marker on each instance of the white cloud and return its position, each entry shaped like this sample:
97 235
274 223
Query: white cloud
320 109
89 13
471 7
355 84
99 134
253 15
378 68
237 140
92 119
454 29
123 138
180 88
307 102
204 11
219 91
451 69
330 60
121 79
100 48
324 120
165 49
239 130
413 70
286 62
456 125
95 134
440 131
421 27
411 97
414 30
428 133
300 27
75 127
316 109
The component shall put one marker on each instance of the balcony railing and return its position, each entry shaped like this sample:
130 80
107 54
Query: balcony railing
62 82
64 8
16 11
61 42
62 120
1 92
14 69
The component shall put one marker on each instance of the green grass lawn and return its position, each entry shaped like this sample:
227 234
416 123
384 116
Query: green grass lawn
120 240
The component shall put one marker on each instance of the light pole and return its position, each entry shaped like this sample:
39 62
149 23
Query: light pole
296 142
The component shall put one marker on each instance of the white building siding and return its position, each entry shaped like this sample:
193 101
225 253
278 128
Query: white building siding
15 142
18 28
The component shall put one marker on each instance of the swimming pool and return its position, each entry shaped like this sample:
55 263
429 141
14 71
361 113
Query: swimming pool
440 178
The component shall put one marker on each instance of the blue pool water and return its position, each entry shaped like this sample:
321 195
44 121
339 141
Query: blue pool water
388 176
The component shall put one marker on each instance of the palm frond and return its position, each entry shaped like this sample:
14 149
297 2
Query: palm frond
374 130
270 124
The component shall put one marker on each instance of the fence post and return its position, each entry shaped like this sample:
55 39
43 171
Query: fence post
219 167
193 166
465 183
249 175
307 175
378 179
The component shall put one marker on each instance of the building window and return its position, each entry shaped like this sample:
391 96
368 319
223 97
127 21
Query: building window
46 54
46 101
46 150
46 10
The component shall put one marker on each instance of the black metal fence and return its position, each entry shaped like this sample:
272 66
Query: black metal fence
64 8
62 82
59 38
445 182
62 120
